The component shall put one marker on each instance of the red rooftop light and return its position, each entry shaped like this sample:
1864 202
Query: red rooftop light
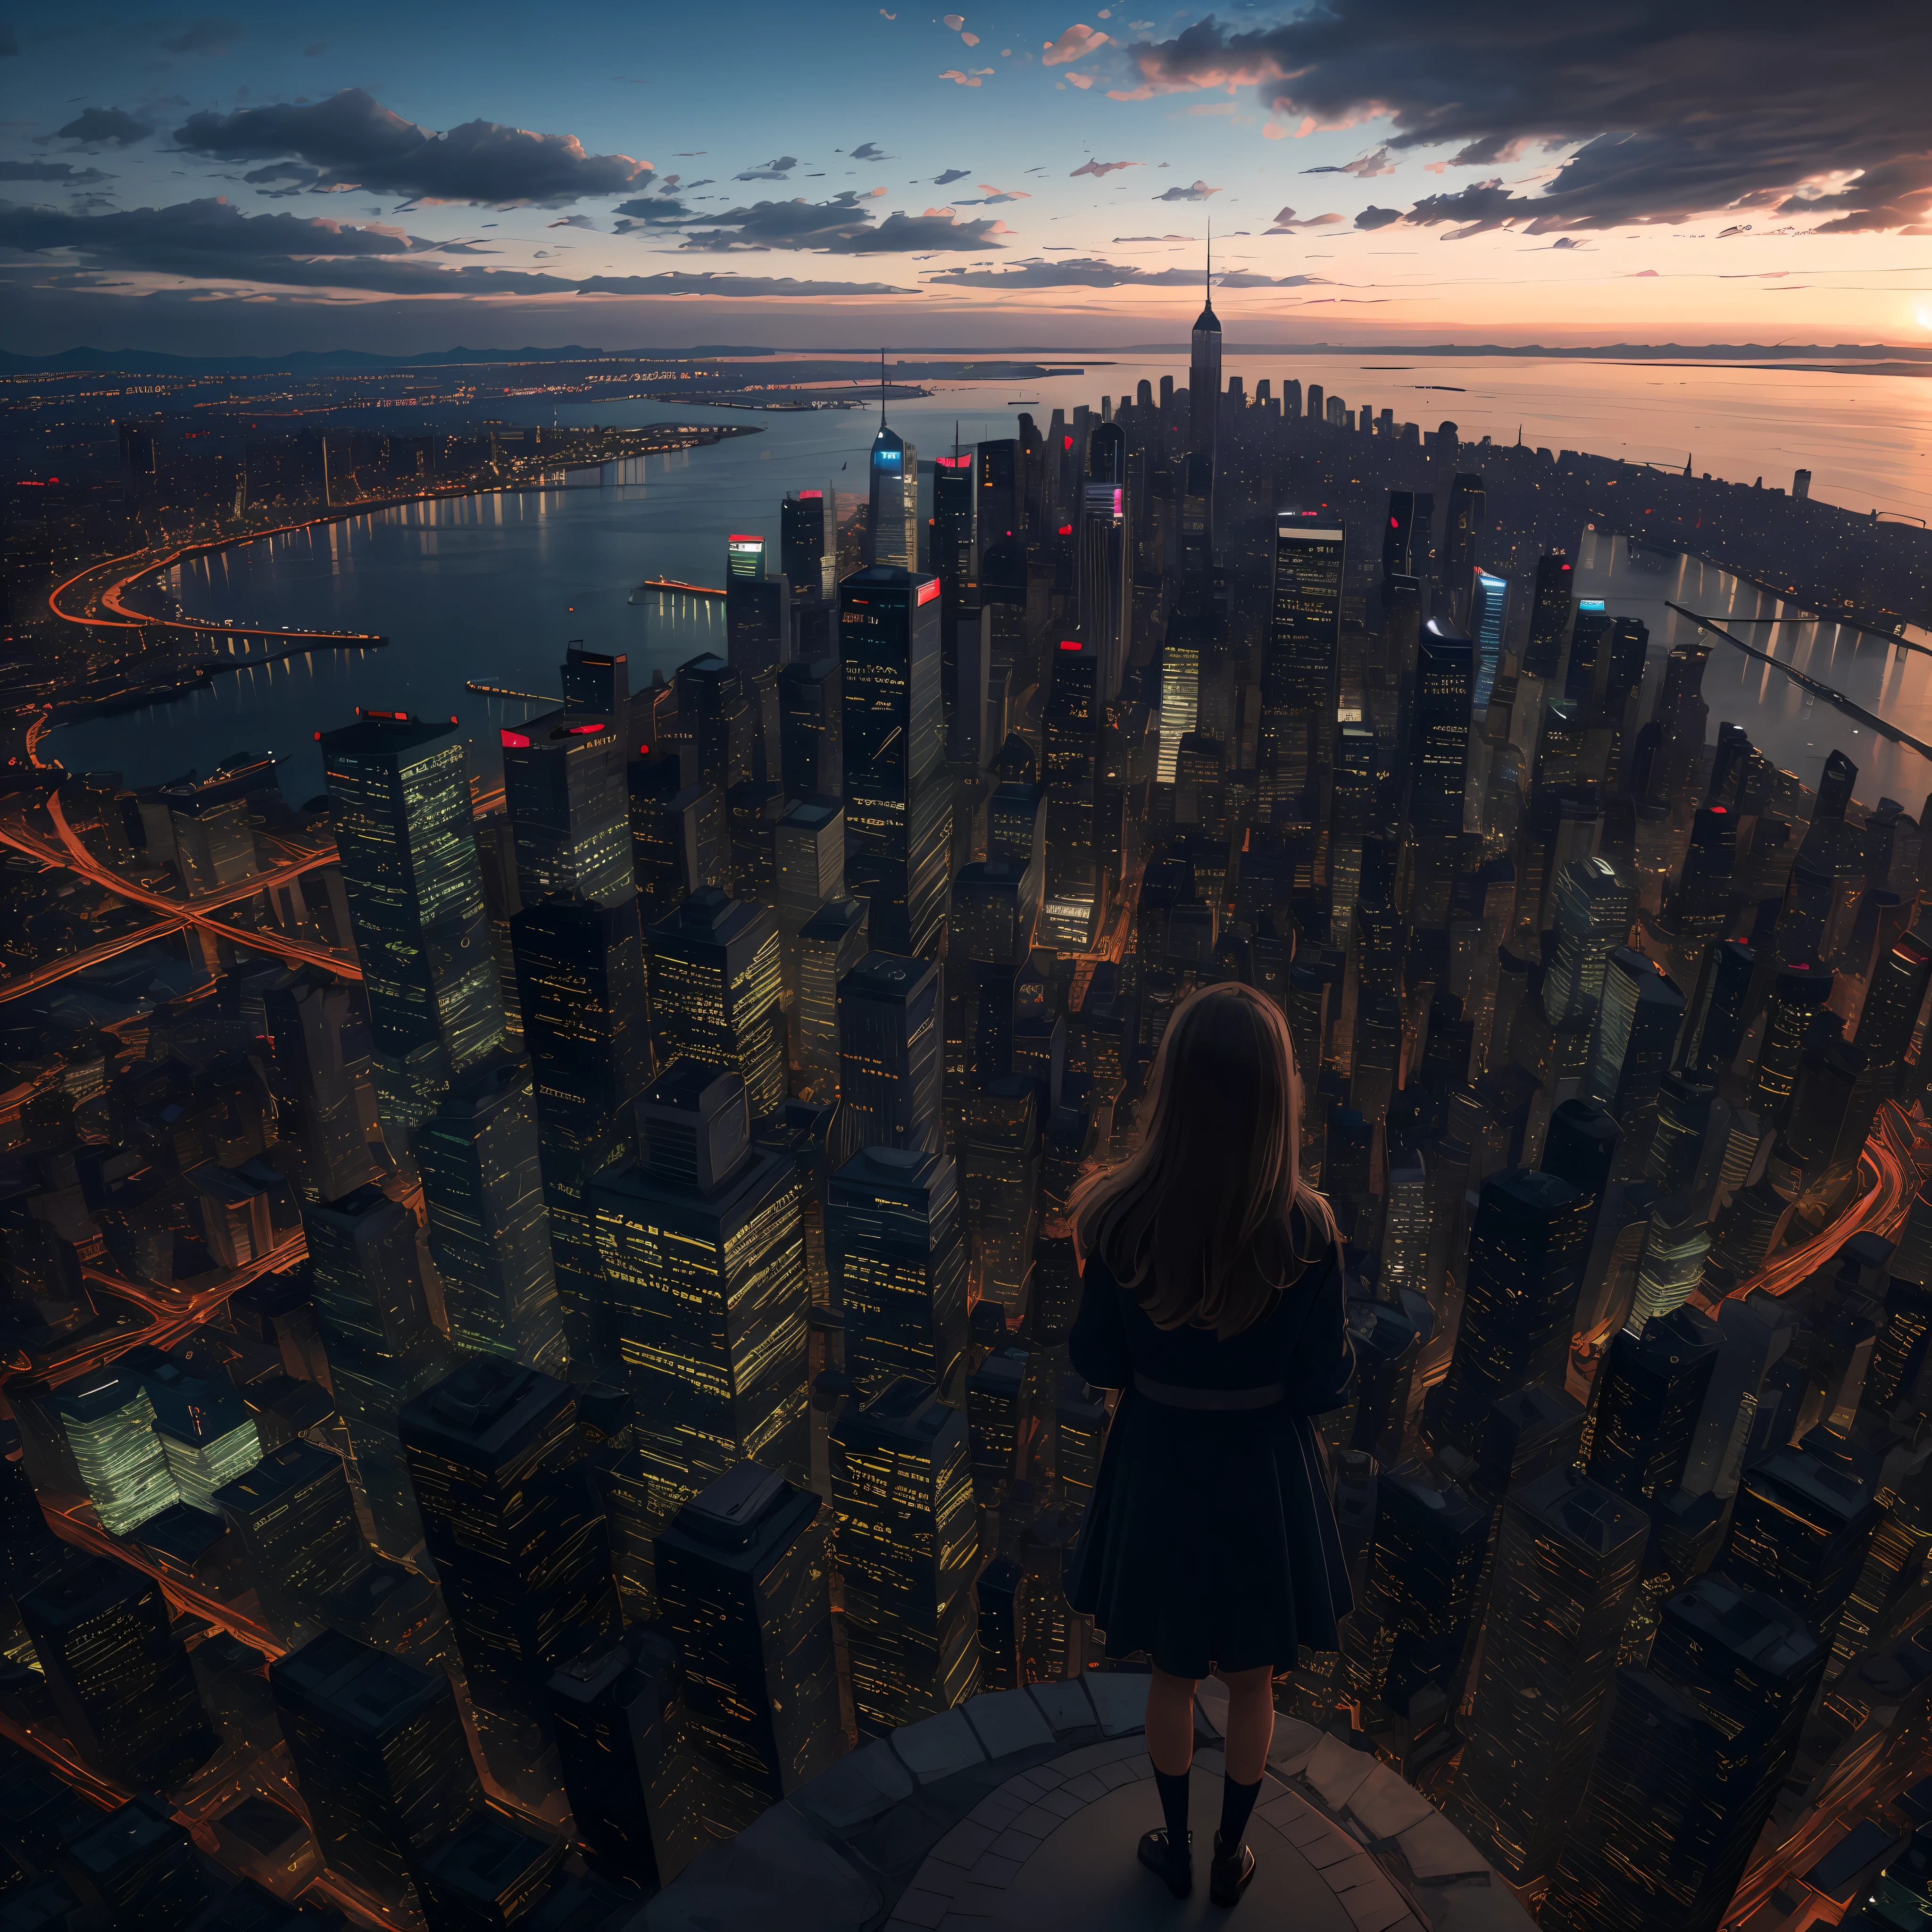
1066 530
1069 643
515 740
805 494
579 731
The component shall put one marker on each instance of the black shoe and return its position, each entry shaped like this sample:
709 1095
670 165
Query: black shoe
1230 1874
1175 1869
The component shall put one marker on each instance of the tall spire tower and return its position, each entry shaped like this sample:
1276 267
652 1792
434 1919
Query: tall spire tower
892 531
1204 380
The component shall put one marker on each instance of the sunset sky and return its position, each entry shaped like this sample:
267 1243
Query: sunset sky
829 175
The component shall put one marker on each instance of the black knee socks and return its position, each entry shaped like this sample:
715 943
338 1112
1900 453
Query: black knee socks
1174 1804
1238 1804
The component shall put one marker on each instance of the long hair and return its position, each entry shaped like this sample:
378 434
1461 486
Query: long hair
1204 1221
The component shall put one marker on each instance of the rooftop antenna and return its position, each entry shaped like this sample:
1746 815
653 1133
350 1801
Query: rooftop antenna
882 388
1207 277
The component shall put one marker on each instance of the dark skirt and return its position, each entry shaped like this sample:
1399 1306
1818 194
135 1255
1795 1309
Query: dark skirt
1211 1541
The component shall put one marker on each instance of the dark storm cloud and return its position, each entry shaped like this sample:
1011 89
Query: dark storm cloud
92 126
665 212
1680 110
1086 272
354 141
842 226
868 150
900 234
213 242
951 176
62 171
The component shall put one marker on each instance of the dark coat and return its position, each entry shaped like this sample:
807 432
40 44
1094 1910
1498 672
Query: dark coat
1211 1540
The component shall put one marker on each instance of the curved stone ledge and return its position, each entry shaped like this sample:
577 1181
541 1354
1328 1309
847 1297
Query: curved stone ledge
1021 1809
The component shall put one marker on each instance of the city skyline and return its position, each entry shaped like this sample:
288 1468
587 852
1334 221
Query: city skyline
544 1337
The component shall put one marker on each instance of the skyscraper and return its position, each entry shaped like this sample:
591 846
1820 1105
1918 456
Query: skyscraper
616 1711
811 729
1800 990
399 802
1637 1022
1204 380
891 1053
488 1230
897 798
1409 543
1690 1764
893 523
703 1249
717 990
892 1245
119 1679
1550 616
379 1754
907 1539
1299 669
1567 1560
831 944
108 1419
581 980
383 1348
1103 563
1444 679
565 787
523 1561
1409 1629
803 544
743 1573
1525 1258
295 1520
320 1038
1462 534
1649 1393
1799 1530
1593 916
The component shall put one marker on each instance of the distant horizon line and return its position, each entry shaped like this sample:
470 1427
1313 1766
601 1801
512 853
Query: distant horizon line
83 357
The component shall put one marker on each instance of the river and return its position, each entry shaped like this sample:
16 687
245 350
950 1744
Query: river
492 588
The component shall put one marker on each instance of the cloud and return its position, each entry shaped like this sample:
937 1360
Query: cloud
356 142
972 79
214 243
1199 191
843 226
1372 217
867 151
63 172
950 175
994 196
1668 111
776 170
954 22
1363 167
574 221
1075 44
94 126
1119 238
1097 168
1088 272
208 35
1287 221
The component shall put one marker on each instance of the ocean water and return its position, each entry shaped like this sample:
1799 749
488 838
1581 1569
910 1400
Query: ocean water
493 588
